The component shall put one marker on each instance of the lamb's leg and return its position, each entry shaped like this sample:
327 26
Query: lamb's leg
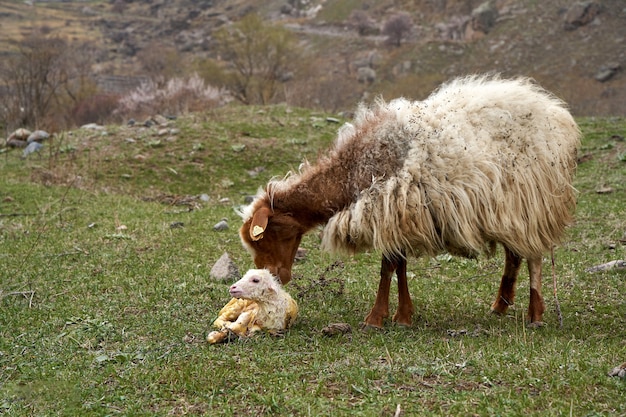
245 322
536 307
506 293
405 305
381 306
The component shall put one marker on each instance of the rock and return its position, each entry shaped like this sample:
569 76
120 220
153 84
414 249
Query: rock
484 17
92 126
618 264
20 134
619 371
160 120
455 29
366 75
221 225
18 138
301 254
32 148
255 171
606 72
16 143
38 136
334 329
580 14
225 269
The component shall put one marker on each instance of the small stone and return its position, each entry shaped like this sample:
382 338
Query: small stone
334 329
32 148
177 225
225 269
38 136
619 371
221 225
301 254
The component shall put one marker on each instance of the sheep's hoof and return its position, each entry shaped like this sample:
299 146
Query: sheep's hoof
368 328
499 310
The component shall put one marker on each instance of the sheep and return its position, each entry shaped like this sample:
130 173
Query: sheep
259 303
483 160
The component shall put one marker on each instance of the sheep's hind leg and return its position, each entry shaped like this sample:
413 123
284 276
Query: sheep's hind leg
506 293
536 306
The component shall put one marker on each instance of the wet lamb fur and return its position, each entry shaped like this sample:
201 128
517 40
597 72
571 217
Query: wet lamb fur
276 309
481 161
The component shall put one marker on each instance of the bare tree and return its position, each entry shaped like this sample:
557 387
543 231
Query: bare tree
397 27
160 63
260 57
361 21
44 77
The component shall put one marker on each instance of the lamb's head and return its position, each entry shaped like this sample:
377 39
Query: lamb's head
272 238
256 285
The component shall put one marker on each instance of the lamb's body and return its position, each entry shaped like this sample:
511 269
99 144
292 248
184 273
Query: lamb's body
259 303
481 161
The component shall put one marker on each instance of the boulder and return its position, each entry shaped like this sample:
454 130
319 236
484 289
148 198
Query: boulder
225 269
38 136
484 17
606 72
580 14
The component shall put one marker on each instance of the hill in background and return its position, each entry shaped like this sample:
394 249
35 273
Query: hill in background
573 48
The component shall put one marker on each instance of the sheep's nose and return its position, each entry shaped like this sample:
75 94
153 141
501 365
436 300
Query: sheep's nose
232 287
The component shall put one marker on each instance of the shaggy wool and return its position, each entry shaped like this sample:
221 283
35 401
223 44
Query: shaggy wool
482 160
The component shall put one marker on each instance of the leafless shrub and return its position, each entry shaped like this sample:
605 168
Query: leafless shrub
397 27
94 109
43 80
259 57
361 21
177 96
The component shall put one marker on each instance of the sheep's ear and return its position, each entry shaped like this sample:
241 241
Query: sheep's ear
259 223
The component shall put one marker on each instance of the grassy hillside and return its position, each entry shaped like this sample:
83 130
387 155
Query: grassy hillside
105 300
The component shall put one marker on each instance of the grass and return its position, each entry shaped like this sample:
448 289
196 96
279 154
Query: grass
104 305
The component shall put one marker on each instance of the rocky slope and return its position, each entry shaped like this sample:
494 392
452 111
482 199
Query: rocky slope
574 48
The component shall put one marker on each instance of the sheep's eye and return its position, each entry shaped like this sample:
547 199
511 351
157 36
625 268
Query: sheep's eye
255 280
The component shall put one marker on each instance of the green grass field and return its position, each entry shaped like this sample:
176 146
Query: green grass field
104 305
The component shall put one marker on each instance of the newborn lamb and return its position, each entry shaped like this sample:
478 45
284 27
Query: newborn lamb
259 303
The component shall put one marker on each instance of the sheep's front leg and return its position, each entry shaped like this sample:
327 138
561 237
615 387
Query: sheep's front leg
380 310
381 306
405 305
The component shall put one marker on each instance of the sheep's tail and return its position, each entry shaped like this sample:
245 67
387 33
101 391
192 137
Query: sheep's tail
556 299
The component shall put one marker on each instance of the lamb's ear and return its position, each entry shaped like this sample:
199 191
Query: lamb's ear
259 223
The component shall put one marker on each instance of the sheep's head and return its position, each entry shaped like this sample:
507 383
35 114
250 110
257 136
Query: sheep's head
272 238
